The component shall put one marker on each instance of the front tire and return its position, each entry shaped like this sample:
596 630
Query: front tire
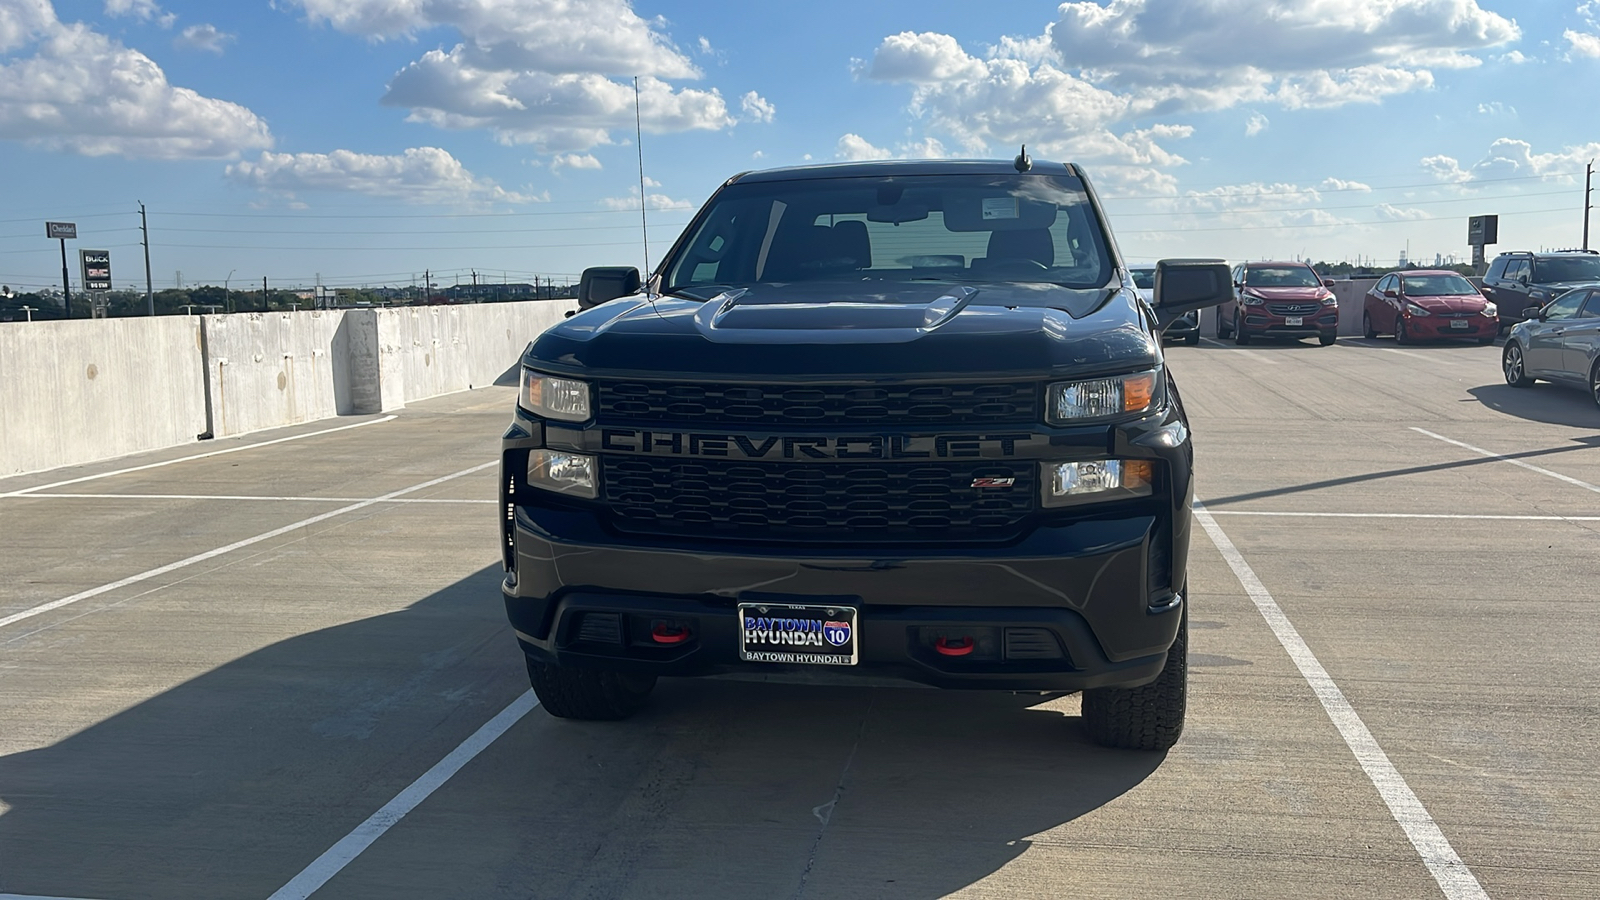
1223 332
1241 337
1400 336
1514 366
1149 717
588 694
1193 339
1594 382
1366 327
1327 340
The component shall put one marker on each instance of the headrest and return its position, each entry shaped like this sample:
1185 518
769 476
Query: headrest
1025 243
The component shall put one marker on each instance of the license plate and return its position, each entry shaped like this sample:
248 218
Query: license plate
1460 323
809 635
1294 320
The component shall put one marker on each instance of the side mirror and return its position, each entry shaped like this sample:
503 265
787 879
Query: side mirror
1390 293
1533 312
1184 285
602 283
1327 283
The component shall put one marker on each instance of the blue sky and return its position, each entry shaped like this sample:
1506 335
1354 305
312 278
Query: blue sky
368 140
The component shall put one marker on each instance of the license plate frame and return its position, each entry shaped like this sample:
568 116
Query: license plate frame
783 633
1294 320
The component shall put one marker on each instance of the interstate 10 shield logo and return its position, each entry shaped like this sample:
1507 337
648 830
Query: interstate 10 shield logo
836 633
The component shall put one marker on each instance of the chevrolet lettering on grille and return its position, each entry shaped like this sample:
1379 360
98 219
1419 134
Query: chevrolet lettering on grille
739 446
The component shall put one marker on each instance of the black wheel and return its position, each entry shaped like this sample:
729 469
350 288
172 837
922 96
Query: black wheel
1327 340
595 694
1514 367
1400 336
1240 336
1149 717
1485 341
1223 332
1366 327
1193 339
1594 383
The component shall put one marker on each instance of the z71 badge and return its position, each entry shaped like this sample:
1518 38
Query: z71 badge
994 482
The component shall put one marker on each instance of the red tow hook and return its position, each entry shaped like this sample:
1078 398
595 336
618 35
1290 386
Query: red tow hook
668 633
957 647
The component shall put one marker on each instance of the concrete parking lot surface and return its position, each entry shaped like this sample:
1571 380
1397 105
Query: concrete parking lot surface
284 670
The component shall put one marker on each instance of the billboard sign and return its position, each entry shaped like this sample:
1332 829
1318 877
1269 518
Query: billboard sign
1483 230
67 230
96 265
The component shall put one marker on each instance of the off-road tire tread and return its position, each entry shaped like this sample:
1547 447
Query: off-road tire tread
588 694
1149 717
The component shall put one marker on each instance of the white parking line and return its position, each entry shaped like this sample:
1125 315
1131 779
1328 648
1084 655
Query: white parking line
1261 357
1506 459
1364 344
1338 515
236 545
341 854
243 497
1453 876
170 462
34 897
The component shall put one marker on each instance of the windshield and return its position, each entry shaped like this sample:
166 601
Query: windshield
1144 279
1436 285
978 228
1550 269
1282 276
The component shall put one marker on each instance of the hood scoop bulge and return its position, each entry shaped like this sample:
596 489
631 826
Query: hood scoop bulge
806 314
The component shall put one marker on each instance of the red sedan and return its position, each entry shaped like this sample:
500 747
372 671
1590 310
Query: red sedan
1428 304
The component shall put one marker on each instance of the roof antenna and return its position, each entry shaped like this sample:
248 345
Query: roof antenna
644 222
1023 162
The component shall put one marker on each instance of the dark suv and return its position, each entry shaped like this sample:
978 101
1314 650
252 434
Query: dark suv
903 420
1520 279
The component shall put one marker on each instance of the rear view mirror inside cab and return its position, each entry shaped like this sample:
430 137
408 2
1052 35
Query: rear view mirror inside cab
897 213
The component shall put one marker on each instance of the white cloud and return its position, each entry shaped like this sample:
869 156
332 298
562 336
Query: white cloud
1339 184
1256 124
555 113
1391 213
1496 108
855 148
86 93
757 108
1512 158
203 37
1515 57
554 36
419 175
539 72
1583 43
144 10
657 201
574 161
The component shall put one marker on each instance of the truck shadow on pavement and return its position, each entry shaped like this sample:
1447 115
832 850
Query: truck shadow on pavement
230 783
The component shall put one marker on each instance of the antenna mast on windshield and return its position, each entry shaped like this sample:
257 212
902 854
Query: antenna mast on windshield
644 221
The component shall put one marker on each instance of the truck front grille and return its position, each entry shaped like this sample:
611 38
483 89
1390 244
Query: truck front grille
1005 403
837 502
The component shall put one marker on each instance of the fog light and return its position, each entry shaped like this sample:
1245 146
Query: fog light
572 474
1102 479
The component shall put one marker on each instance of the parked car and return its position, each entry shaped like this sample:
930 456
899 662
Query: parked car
1427 304
1559 343
1184 328
1279 299
1519 279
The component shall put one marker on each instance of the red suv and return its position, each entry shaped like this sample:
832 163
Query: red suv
1428 303
1279 299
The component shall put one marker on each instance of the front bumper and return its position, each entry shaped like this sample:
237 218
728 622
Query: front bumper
1103 583
1257 321
1430 327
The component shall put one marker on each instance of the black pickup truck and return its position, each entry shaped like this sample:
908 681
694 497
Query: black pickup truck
895 420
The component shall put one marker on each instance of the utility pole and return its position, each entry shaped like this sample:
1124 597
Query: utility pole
149 293
66 287
1588 192
264 306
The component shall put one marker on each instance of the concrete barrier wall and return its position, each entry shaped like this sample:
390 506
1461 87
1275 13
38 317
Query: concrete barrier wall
77 391
74 392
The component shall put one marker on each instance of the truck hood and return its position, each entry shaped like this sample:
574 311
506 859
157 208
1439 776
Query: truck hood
831 330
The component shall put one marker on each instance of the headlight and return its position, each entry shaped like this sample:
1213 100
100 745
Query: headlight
1414 310
1330 300
1253 300
562 472
1103 479
1490 310
1074 401
554 398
